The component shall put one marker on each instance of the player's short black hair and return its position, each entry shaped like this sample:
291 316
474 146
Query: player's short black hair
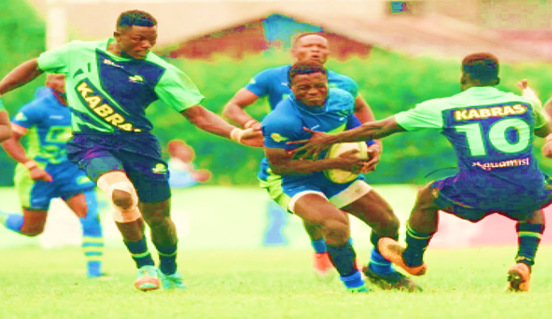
305 67
295 39
135 17
481 66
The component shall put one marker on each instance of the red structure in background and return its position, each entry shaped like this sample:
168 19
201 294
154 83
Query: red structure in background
249 38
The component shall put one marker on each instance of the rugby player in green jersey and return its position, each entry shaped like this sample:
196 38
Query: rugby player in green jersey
492 133
109 85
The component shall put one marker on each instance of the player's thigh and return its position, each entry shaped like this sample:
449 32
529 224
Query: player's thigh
34 195
149 175
314 208
373 209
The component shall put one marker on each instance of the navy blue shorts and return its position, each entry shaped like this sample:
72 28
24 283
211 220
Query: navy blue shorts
454 204
139 156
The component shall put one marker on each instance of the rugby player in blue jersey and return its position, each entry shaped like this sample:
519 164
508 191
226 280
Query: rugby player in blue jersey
44 172
492 133
273 84
109 85
303 189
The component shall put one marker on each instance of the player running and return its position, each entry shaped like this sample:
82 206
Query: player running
110 83
492 133
273 83
44 173
303 189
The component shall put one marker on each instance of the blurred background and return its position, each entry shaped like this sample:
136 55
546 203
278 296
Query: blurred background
399 52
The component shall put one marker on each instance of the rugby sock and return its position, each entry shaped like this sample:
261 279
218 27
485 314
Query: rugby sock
343 258
139 252
92 237
12 221
167 256
378 264
529 237
353 281
416 245
319 245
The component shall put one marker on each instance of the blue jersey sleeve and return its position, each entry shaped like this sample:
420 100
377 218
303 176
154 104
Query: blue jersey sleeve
260 83
29 115
277 131
355 122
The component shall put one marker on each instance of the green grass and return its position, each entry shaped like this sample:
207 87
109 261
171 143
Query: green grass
266 283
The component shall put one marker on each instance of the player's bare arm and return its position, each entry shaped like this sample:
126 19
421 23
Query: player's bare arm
212 123
5 126
234 109
283 163
21 75
371 130
364 114
15 150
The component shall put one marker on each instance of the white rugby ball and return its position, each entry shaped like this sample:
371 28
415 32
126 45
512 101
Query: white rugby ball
340 176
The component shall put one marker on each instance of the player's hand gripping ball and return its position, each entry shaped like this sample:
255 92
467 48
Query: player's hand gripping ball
342 176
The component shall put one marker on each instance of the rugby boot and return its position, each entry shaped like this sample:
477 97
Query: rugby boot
323 266
391 250
519 278
173 281
391 280
148 279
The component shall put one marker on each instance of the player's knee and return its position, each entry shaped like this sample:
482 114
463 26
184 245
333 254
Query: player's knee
336 229
123 200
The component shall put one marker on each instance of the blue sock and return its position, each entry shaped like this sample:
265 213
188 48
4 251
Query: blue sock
12 221
343 258
353 281
140 253
167 256
319 245
378 264
529 237
416 245
92 236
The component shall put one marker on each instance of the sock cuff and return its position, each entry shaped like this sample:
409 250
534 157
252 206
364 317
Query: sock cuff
412 233
319 245
529 229
166 250
137 247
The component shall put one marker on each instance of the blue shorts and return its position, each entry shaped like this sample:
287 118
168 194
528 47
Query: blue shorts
68 181
286 194
139 158
514 206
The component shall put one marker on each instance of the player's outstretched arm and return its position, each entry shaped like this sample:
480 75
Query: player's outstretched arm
212 123
21 75
364 113
5 125
234 109
370 130
15 150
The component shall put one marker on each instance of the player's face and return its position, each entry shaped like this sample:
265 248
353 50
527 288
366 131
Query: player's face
311 47
311 89
56 82
137 41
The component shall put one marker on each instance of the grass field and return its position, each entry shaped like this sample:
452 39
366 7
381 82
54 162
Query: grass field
267 283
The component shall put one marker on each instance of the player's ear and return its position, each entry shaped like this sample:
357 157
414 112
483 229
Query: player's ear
464 79
117 35
497 81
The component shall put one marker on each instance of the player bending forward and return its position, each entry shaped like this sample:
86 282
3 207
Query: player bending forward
304 190
492 134
44 173
110 83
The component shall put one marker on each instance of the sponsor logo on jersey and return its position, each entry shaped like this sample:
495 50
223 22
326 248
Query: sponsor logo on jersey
495 111
278 138
101 106
109 62
20 117
57 117
511 163
160 168
252 81
83 180
284 83
332 86
136 79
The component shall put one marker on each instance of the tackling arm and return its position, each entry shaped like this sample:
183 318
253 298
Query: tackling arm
20 76
212 123
234 109
282 163
364 113
374 130
5 126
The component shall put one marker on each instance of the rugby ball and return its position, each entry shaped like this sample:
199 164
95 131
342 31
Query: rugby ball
340 176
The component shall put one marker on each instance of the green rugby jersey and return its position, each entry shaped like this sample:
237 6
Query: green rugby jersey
109 94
